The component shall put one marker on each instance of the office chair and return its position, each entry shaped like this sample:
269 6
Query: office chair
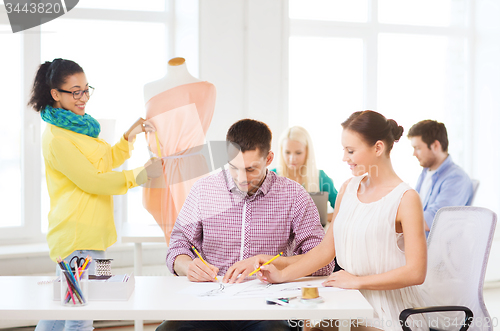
475 185
458 248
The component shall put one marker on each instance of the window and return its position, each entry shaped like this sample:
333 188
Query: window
135 59
151 5
10 131
399 58
443 13
409 60
330 10
121 45
326 79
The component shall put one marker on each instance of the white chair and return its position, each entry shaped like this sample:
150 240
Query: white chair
475 185
458 248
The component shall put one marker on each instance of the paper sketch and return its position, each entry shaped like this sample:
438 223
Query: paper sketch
252 289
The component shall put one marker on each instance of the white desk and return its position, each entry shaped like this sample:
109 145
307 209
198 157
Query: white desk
137 234
156 298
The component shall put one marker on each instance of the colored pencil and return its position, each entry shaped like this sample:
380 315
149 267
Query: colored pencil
88 259
69 288
76 289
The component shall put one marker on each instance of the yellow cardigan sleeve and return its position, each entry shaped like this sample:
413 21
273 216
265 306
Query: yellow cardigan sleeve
121 151
66 158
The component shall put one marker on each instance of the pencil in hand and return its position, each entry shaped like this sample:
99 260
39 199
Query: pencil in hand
204 262
271 260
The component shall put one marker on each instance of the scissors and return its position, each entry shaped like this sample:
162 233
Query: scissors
80 261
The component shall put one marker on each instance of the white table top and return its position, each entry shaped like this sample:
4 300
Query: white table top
156 298
138 233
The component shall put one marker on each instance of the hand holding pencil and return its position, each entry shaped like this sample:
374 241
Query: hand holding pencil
269 273
242 269
200 270
271 260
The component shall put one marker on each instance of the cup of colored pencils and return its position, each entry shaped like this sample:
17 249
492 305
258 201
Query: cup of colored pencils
74 284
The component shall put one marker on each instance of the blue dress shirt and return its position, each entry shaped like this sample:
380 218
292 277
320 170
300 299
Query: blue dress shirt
451 186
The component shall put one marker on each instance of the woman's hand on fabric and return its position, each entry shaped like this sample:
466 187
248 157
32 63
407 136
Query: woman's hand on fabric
343 279
199 272
149 127
154 168
136 128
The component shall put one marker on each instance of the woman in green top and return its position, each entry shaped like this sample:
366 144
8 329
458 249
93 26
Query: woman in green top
297 161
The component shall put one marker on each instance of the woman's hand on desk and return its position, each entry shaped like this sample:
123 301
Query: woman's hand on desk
199 272
343 279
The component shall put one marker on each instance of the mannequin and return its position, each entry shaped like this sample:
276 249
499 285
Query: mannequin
180 108
177 74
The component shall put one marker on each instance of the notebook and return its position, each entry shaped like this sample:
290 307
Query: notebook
321 201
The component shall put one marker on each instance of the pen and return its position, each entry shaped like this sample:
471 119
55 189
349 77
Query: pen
194 249
271 260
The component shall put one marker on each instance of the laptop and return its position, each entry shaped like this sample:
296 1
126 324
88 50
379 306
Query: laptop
321 201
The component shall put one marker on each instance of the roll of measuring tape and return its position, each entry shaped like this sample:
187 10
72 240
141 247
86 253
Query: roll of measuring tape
310 292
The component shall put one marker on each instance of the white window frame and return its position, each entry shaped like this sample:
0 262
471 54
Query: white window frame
31 157
369 31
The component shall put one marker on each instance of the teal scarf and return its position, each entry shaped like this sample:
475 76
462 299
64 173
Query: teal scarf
68 120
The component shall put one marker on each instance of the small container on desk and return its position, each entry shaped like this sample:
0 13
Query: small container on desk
103 267
74 288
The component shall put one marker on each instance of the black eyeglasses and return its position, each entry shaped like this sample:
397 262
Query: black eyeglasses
79 94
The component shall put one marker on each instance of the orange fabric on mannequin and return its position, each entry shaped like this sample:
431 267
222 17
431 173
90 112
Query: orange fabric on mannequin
181 116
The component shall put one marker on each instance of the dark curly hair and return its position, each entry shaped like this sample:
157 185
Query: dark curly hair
50 75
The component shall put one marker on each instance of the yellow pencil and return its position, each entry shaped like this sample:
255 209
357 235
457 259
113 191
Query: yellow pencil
194 249
87 260
158 144
271 260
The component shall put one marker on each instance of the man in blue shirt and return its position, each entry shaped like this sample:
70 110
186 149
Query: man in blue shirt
442 183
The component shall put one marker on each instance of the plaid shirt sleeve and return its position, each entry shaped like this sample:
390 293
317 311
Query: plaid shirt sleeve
307 228
187 230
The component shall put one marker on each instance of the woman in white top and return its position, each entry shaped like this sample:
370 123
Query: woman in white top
374 211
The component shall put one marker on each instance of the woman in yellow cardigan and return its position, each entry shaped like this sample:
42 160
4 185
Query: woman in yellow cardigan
78 166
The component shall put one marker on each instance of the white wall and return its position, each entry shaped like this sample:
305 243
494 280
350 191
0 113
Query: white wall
486 104
485 118
241 53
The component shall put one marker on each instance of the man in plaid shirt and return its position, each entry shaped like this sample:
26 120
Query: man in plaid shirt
241 217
